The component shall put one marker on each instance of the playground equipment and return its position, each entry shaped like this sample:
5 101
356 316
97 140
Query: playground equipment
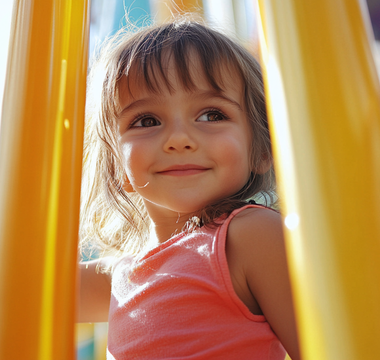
40 168
323 93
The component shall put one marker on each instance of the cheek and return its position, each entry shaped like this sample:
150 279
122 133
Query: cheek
235 150
133 161
233 153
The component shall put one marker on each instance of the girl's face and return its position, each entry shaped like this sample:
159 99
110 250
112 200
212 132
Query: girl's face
185 149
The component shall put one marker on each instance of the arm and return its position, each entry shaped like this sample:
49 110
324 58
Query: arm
94 292
256 243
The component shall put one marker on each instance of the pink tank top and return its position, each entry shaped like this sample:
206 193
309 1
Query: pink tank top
178 302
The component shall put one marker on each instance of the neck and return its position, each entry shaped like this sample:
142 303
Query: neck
167 223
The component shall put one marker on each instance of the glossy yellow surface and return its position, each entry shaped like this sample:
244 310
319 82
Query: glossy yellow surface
40 168
188 5
167 8
323 94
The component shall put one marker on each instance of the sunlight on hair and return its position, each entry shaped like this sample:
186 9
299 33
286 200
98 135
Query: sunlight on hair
292 221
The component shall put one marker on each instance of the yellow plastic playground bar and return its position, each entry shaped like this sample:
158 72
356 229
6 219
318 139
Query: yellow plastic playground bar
168 8
323 92
40 169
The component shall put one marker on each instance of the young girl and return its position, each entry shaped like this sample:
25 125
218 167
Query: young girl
176 145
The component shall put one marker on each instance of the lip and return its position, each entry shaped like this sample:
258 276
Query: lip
183 170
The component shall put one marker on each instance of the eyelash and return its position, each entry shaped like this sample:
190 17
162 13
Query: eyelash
143 116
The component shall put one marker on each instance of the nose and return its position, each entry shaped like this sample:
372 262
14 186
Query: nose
180 137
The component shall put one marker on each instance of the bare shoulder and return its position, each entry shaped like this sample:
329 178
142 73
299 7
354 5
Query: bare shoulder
255 243
256 232
263 221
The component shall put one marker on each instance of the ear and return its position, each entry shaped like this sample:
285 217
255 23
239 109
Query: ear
265 164
127 185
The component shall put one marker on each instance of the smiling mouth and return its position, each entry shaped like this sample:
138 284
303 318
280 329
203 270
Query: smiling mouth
183 170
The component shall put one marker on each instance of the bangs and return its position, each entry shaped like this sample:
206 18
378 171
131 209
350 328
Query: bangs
184 46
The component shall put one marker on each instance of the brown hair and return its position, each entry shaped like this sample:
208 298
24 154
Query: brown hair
111 215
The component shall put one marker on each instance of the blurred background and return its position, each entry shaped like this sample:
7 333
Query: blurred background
233 17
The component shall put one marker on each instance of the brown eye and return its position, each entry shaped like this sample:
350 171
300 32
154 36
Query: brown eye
212 116
146 122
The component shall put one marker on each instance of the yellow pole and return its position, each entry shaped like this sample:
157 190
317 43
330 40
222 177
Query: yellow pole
40 168
187 5
323 95
167 8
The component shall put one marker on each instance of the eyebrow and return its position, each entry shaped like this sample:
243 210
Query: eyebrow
208 94
136 104
218 95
